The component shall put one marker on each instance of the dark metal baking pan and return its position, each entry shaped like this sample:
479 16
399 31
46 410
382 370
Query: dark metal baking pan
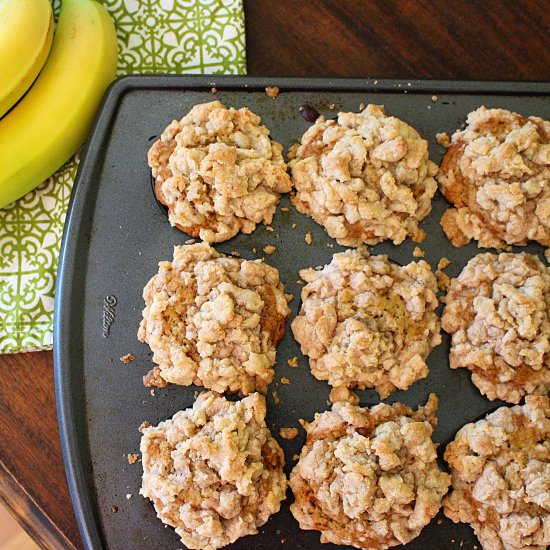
114 237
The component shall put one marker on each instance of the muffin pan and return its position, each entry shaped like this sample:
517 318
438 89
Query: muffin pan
116 234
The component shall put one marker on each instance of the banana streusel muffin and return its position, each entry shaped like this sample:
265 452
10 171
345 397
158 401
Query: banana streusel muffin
218 172
367 322
365 177
501 477
496 173
214 320
369 477
214 472
498 312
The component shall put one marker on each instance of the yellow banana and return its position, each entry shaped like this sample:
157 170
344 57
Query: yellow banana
26 31
51 122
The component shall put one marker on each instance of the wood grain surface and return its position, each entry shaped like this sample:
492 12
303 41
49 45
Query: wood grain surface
502 40
490 39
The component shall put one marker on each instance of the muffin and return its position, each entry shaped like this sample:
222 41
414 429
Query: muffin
501 477
365 177
498 312
369 477
496 174
214 472
218 172
366 322
214 321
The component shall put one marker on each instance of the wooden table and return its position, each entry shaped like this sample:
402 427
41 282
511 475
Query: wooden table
404 39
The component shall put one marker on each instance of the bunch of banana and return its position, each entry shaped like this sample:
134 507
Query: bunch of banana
26 32
51 121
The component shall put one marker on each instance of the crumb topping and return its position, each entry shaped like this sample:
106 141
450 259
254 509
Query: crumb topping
367 322
218 172
501 477
214 321
365 177
341 393
214 472
369 477
498 312
496 173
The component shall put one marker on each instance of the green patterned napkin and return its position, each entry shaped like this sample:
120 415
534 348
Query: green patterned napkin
154 36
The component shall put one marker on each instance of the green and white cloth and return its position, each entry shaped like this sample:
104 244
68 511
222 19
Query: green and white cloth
154 36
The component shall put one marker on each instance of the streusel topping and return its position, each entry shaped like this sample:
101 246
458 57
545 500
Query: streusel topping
218 172
214 321
501 477
214 472
367 322
497 175
365 177
498 312
369 477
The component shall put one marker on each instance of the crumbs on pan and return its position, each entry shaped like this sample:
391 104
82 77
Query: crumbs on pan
443 263
276 398
293 362
285 380
309 237
133 458
270 249
443 139
272 91
128 358
154 379
443 281
418 252
288 433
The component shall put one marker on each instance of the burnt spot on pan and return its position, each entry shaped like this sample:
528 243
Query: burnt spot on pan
309 113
